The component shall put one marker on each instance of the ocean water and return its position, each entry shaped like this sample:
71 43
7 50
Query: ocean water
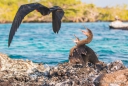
37 42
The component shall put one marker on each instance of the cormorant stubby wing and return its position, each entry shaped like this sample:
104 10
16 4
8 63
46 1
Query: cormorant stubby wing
77 53
27 8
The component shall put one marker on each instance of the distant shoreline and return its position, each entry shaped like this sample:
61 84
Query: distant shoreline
62 21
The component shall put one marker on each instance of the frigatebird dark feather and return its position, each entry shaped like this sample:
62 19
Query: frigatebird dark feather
57 14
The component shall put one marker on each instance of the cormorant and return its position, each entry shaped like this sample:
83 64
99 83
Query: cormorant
81 53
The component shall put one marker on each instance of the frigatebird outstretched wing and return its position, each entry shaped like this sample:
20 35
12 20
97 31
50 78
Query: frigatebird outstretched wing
57 14
56 17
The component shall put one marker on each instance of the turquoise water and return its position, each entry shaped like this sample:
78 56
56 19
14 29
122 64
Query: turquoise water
37 42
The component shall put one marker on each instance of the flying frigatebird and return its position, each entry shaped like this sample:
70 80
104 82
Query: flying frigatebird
57 14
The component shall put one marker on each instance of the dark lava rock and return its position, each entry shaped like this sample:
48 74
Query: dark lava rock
26 73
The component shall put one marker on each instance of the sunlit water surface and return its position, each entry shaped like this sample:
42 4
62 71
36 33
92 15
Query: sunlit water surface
37 42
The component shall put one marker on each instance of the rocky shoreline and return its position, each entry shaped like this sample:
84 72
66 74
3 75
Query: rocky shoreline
71 21
26 73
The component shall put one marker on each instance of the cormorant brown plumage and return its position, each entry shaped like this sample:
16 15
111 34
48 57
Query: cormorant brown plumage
57 14
81 53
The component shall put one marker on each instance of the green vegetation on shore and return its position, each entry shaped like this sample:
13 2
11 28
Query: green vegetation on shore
75 11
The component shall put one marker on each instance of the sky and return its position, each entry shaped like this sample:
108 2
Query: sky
104 3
